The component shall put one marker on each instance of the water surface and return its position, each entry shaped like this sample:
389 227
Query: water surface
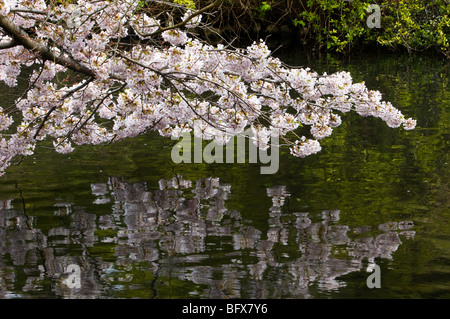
139 226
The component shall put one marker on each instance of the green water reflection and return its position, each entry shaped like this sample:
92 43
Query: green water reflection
140 226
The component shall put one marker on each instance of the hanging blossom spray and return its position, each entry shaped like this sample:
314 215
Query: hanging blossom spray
89 86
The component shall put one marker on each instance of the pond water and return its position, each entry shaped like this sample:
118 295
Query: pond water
138 226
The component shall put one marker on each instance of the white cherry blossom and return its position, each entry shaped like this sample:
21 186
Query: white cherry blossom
109 70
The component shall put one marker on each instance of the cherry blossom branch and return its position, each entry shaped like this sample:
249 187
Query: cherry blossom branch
162 83
66 95
22 38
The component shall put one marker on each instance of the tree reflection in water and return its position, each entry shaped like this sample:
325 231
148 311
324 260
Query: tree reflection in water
183 231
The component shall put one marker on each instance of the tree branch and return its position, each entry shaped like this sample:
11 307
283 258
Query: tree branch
22 38
29 11
8 45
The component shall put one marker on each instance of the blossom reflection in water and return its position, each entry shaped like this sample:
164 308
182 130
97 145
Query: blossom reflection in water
184 231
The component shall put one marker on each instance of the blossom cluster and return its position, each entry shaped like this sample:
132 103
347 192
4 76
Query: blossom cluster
163 80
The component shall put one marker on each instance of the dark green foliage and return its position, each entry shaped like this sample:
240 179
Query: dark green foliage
340 25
